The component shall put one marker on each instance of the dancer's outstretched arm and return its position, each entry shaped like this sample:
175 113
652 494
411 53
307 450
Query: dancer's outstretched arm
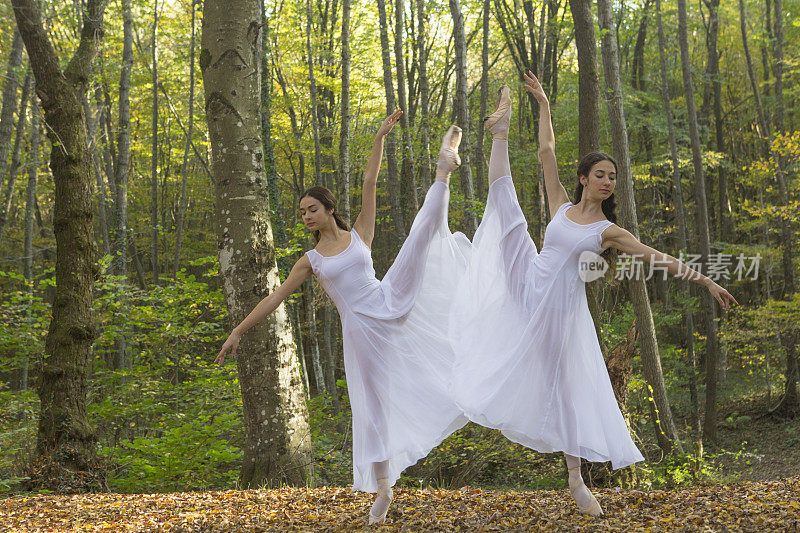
365 223
299 273
556 193
624 241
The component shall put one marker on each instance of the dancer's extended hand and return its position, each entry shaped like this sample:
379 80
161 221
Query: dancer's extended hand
722 296
231 344
533 86
389 123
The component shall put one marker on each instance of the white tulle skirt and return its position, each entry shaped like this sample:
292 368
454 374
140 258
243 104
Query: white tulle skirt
528 359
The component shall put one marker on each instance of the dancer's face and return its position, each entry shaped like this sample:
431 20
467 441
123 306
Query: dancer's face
313 213
601 180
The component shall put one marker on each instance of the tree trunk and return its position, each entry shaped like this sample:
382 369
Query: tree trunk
66 447
789 405
316 360
588 122
154 152
712 346
277 439
123 362
16 156
480 160
9 102
390 146
726 224
94 147
312 82
787 231
424 92
185 167
344 135
123 144
30 209
666 433
588 79
681 216
462 118
407 182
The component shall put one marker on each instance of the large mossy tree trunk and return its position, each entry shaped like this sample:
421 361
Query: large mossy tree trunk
66 447
277 438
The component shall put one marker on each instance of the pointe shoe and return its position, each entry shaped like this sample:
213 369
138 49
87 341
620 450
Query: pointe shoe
449 159
385 494
593 508
499 122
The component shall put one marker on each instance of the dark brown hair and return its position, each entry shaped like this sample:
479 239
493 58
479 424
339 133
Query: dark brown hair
609 205
324 196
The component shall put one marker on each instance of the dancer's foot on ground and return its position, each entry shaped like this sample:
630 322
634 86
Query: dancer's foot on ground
586 501
449 160
499 122
381 505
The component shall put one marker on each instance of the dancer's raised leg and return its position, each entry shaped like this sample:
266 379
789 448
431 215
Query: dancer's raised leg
449 160
586 501
516 246
498 124
404 277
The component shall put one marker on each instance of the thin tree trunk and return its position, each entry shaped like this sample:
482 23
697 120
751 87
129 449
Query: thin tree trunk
723 219
479 155
184 201
424 91
787 231
789 405
407 181
30 209
666 433
316 360
462 117
138 267
16 155
154 152
344 135
726 224
94 147
108 159
66 442
277 439
588 79
312 82
123 144
712 346
681 215
392 182
9 102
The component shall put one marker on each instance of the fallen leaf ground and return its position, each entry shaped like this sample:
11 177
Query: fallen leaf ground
750 506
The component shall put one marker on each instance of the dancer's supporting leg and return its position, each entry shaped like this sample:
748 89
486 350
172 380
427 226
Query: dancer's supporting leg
586 501
498 124
381 504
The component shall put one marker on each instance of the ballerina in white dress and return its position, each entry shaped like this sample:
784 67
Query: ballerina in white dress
529 362
397 353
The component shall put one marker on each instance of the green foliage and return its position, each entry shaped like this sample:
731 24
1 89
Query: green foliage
677 470
17 433
332 438
191 455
